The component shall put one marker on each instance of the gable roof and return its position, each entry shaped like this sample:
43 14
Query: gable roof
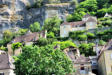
82 60
79 23
91 19
29 37
26 38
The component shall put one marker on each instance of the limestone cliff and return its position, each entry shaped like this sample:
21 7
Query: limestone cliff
21 13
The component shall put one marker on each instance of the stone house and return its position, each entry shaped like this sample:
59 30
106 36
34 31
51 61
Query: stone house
27 39
88 22
6 64
105 59
81 64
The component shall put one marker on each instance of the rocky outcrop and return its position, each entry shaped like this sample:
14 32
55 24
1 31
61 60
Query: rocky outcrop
15 13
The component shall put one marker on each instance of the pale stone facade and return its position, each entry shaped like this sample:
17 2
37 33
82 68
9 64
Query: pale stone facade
105 59
105 62
16 52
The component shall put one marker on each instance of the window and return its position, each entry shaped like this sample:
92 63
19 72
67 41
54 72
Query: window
64 27
111 56
82 67
1 73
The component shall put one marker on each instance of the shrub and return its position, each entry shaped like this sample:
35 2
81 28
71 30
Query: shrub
16 46
35 27
82 37
41 42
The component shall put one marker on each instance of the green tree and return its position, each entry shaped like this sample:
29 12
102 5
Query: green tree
101 12
90 36
101 42
52 25
65 44
35 27
82 37
42 61
7 36
50 35
16 46
90 5
87 49
42 42
22 31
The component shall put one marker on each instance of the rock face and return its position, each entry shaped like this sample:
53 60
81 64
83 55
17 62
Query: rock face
15 13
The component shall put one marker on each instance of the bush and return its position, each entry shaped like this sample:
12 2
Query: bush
87 49
41 42
3 48
101 42
35 27
90 35
101 12
16 46
50 35
82 37
65 44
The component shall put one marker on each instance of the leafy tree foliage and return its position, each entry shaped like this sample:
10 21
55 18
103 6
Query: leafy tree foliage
86 49
35 27
7 35
42 61
3 48
22 31
101 42
104 35
87 6
52 25
90 35
82 37
50 35
16 46
104 3
101 12
78 35
41 42
90 5
65 44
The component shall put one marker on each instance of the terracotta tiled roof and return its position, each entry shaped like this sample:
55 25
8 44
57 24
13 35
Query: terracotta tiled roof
4 61
79 23
29 37
82 60
26 38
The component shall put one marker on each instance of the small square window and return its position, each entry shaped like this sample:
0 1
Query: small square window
111 56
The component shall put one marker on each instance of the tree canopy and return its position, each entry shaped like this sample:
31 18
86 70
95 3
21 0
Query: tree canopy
35 27
52 25
42 61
